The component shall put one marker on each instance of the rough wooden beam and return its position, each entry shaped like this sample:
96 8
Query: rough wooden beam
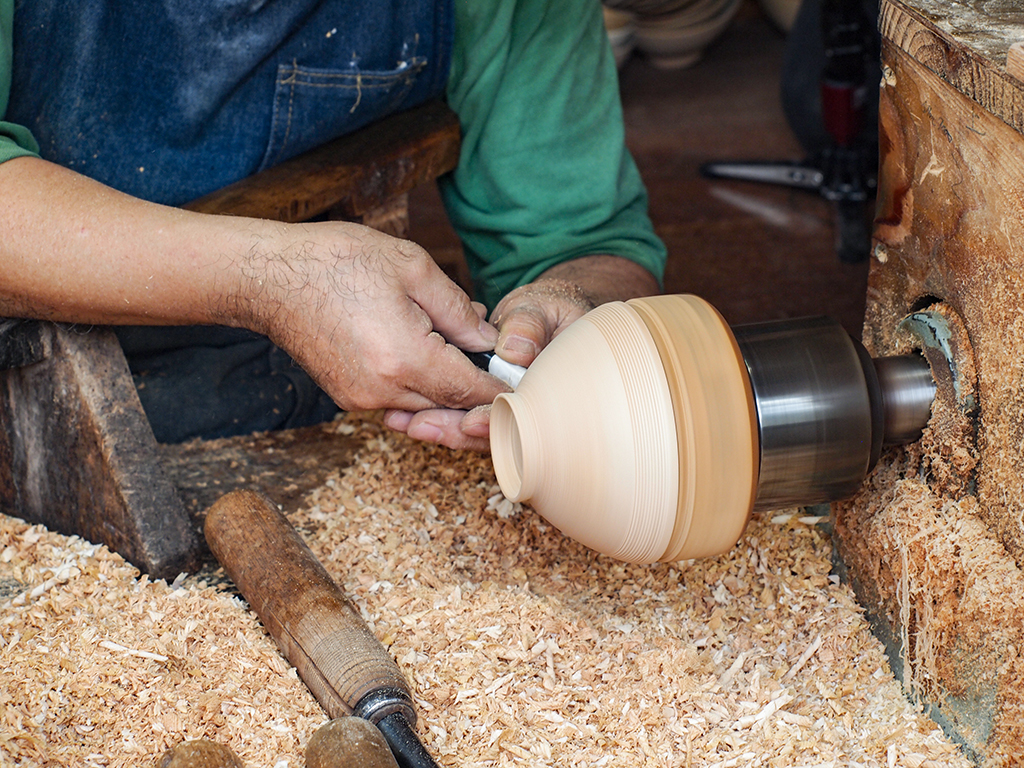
77 453
1015 61
22 342
934 541
966 44
350 176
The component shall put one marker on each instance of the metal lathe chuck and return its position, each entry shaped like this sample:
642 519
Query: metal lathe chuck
825 408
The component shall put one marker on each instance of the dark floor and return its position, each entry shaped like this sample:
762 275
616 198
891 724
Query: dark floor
756 252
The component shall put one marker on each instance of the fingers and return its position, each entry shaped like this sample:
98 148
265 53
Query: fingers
451 312
524 332
421 374
477 422
454 429
480 309
448 378
382 327
529 317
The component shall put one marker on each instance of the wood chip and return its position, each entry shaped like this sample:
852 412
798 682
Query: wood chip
522 647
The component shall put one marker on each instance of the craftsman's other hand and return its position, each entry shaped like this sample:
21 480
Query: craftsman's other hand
465 430
370 317
530 316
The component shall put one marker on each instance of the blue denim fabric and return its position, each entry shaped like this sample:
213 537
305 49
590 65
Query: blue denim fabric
169 101
210 382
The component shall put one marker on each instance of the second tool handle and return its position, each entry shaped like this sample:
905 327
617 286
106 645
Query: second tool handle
316 626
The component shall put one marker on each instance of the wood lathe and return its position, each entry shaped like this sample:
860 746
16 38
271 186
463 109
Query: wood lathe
649 430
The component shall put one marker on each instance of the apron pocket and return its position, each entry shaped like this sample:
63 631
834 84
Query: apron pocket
313 106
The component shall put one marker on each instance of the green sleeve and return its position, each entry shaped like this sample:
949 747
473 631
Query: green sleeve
15 140
544 175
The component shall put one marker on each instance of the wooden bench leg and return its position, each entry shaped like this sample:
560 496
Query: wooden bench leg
77 453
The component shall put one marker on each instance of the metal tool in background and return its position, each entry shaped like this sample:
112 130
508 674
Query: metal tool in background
845 170
316 626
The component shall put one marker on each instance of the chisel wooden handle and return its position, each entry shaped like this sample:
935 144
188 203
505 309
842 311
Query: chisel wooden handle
348 742
202 753
319 631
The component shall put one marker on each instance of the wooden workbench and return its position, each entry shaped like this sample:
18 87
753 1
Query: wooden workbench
935 541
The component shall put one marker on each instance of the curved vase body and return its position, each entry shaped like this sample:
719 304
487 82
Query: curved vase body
634 432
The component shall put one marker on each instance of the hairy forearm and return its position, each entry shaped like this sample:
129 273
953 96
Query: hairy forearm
75 250
605 278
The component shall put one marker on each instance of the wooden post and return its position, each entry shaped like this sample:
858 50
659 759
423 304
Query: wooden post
934 542
77 453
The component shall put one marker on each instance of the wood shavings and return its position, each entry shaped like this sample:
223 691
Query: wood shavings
521 647
952 592
106 668
503 507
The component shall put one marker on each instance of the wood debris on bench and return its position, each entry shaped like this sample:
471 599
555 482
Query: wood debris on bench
522 647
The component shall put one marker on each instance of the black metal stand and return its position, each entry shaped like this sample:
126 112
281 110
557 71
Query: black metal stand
844 171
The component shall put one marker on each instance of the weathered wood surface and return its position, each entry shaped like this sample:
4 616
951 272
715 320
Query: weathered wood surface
77 453
286 465
935 541
22 342
1015 61
965 44
351 176
985 28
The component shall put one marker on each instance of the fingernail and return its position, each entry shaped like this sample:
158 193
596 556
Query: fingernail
480 429
519 346
397 420
488 331
428 433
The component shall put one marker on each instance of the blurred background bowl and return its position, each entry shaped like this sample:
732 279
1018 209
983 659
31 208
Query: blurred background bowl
781 12
678 38
621 28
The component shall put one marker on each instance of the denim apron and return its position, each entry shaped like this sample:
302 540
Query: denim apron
169 101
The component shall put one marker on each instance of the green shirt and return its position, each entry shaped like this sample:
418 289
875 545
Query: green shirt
15 141
544 175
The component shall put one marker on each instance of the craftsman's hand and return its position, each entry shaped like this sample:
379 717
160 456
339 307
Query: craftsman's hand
370 317
528 318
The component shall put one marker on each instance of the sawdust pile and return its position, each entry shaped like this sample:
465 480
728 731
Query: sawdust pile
522 647
952 592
